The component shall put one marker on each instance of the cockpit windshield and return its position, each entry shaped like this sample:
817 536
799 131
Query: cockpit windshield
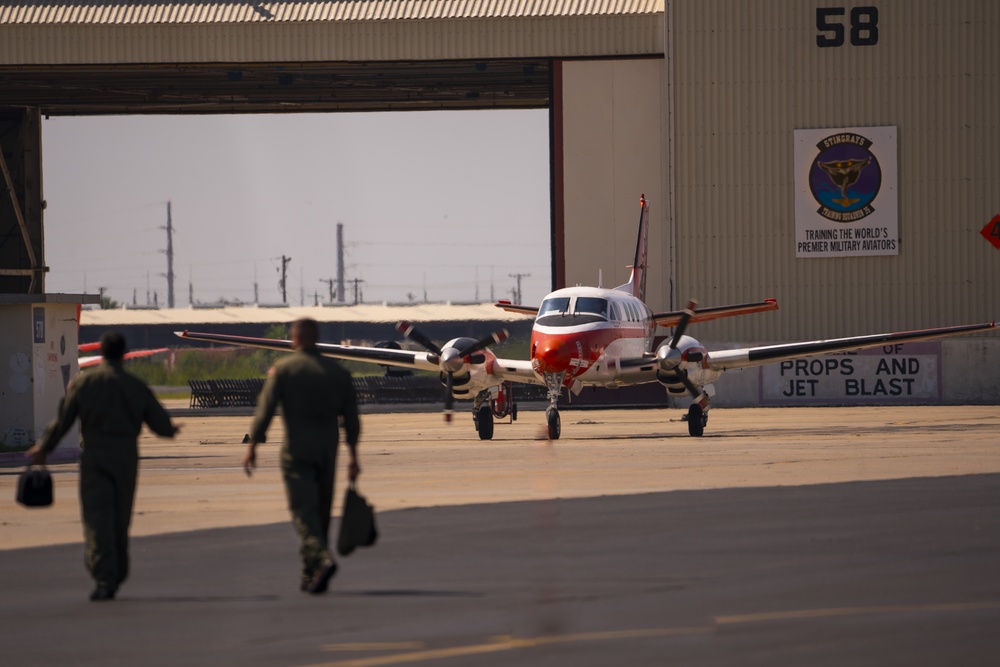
554 306
588 305
567 311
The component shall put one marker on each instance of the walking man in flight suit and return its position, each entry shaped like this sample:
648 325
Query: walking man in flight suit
112 406
315 393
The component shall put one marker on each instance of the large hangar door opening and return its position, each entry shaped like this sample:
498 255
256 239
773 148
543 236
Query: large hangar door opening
436 206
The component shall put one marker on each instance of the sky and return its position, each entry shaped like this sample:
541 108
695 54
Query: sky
436 205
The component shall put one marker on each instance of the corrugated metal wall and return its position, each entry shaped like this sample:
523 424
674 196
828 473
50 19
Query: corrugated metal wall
223 11
746 73
67 33
612 153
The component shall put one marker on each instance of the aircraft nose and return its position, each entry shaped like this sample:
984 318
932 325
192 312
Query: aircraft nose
551 357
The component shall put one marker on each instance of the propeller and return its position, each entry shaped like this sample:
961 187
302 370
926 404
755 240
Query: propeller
673 357
452 359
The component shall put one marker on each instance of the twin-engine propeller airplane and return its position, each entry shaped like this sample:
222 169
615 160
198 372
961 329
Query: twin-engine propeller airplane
594 336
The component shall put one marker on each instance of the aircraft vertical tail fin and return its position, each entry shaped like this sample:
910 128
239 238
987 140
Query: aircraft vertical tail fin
636 285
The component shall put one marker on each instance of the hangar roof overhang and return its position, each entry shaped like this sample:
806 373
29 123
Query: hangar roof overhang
106 57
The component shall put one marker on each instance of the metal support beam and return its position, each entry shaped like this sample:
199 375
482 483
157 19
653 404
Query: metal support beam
23 198
16 205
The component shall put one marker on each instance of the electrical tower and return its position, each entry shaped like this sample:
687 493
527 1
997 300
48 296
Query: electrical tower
340 264
358 295
517 290
170 258
329 283
283 283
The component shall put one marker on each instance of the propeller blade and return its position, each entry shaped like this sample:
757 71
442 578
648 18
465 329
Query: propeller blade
693 390
410 331
449 398
452 359
495 337
682 325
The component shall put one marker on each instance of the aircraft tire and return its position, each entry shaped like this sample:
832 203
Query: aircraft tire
484 422
553 421
696 421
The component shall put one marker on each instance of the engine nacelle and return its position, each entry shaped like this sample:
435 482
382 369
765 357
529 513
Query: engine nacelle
474 377
672 362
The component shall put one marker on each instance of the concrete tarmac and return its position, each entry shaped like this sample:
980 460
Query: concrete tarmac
784 536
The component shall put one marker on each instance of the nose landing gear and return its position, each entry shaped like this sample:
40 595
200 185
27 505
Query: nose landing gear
554 382
553 422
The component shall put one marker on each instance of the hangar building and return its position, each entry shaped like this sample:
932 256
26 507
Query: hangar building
841 157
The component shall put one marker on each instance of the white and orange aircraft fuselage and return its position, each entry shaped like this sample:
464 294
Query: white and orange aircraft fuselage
592 336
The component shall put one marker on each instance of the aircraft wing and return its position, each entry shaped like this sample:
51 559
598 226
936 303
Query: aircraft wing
673 317
426 361
515 308
756 356
515 370
87 362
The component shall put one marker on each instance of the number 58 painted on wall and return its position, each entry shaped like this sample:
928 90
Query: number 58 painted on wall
864 26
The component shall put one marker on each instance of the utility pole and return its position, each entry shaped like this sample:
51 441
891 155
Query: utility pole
357 291
340 264
170 258
329 283
283 283
517 290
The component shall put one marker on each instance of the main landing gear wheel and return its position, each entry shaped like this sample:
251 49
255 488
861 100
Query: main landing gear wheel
484 422
696 419
555 427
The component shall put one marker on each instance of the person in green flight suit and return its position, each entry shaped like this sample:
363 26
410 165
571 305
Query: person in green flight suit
112 406
315 394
